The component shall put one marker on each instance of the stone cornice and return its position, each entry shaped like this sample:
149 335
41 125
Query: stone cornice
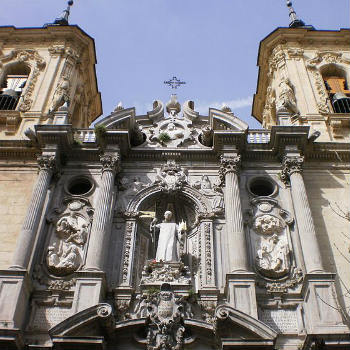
272 151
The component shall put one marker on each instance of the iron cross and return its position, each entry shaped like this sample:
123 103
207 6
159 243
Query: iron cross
174 83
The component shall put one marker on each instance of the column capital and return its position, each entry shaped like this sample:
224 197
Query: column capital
47 162
110 162
229 164
291 165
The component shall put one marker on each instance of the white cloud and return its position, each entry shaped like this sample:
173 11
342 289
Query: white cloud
202 106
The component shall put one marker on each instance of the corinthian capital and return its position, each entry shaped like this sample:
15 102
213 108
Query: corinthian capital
290 165
46 162
110 162
229 164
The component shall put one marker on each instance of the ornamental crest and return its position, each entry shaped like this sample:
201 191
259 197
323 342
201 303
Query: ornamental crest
171 177
165 325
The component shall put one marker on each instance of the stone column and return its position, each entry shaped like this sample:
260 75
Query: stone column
27 236
237 248
292 169
98 236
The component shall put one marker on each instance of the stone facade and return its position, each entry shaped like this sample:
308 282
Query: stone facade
260 259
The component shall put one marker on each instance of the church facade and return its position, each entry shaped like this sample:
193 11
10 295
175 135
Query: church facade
174 230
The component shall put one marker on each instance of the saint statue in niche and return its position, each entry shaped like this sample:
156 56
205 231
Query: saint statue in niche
170 236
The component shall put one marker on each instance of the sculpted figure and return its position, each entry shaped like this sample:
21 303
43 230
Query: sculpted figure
272 257
170 235
286 98
64 256
61 95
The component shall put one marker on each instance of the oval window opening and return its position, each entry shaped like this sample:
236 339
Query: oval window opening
80 186
261 187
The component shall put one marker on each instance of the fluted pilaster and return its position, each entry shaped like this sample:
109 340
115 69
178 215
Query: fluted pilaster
27 236
98 237
237 248
292 169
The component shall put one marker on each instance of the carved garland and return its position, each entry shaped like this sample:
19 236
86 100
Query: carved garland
37 64
208 260
127 248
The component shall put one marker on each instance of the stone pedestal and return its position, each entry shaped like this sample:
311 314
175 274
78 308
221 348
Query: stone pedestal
89 290
321 306
15 289
175 273
240 291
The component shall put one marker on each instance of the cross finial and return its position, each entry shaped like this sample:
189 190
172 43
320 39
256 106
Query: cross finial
174 83
295 22
63 19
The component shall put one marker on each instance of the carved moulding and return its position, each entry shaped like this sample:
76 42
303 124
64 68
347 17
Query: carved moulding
36 63
271 246
314 64
69 235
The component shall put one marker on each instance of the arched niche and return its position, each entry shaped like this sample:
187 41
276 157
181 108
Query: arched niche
188 205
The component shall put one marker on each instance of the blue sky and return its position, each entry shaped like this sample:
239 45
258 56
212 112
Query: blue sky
211 44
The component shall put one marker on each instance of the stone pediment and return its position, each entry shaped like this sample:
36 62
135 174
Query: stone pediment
173 126
221 120
95 327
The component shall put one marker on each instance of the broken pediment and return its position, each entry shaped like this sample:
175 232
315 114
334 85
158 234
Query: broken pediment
173 125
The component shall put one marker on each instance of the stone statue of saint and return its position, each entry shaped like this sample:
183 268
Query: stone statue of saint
169 236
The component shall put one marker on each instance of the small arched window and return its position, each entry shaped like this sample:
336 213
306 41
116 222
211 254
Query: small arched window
12 84
337 86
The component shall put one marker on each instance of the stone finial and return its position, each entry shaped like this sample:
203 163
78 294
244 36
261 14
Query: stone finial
295 22
119 107
225 108
63 19
173 107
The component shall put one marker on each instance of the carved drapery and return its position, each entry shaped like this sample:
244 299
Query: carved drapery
292 168
47 167
98 237
237 248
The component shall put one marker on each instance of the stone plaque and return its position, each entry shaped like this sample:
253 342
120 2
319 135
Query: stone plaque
282 321
47 317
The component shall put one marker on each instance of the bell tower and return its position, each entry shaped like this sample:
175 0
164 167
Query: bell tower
47 76
304 77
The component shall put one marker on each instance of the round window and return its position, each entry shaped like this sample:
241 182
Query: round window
262 187
80 186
